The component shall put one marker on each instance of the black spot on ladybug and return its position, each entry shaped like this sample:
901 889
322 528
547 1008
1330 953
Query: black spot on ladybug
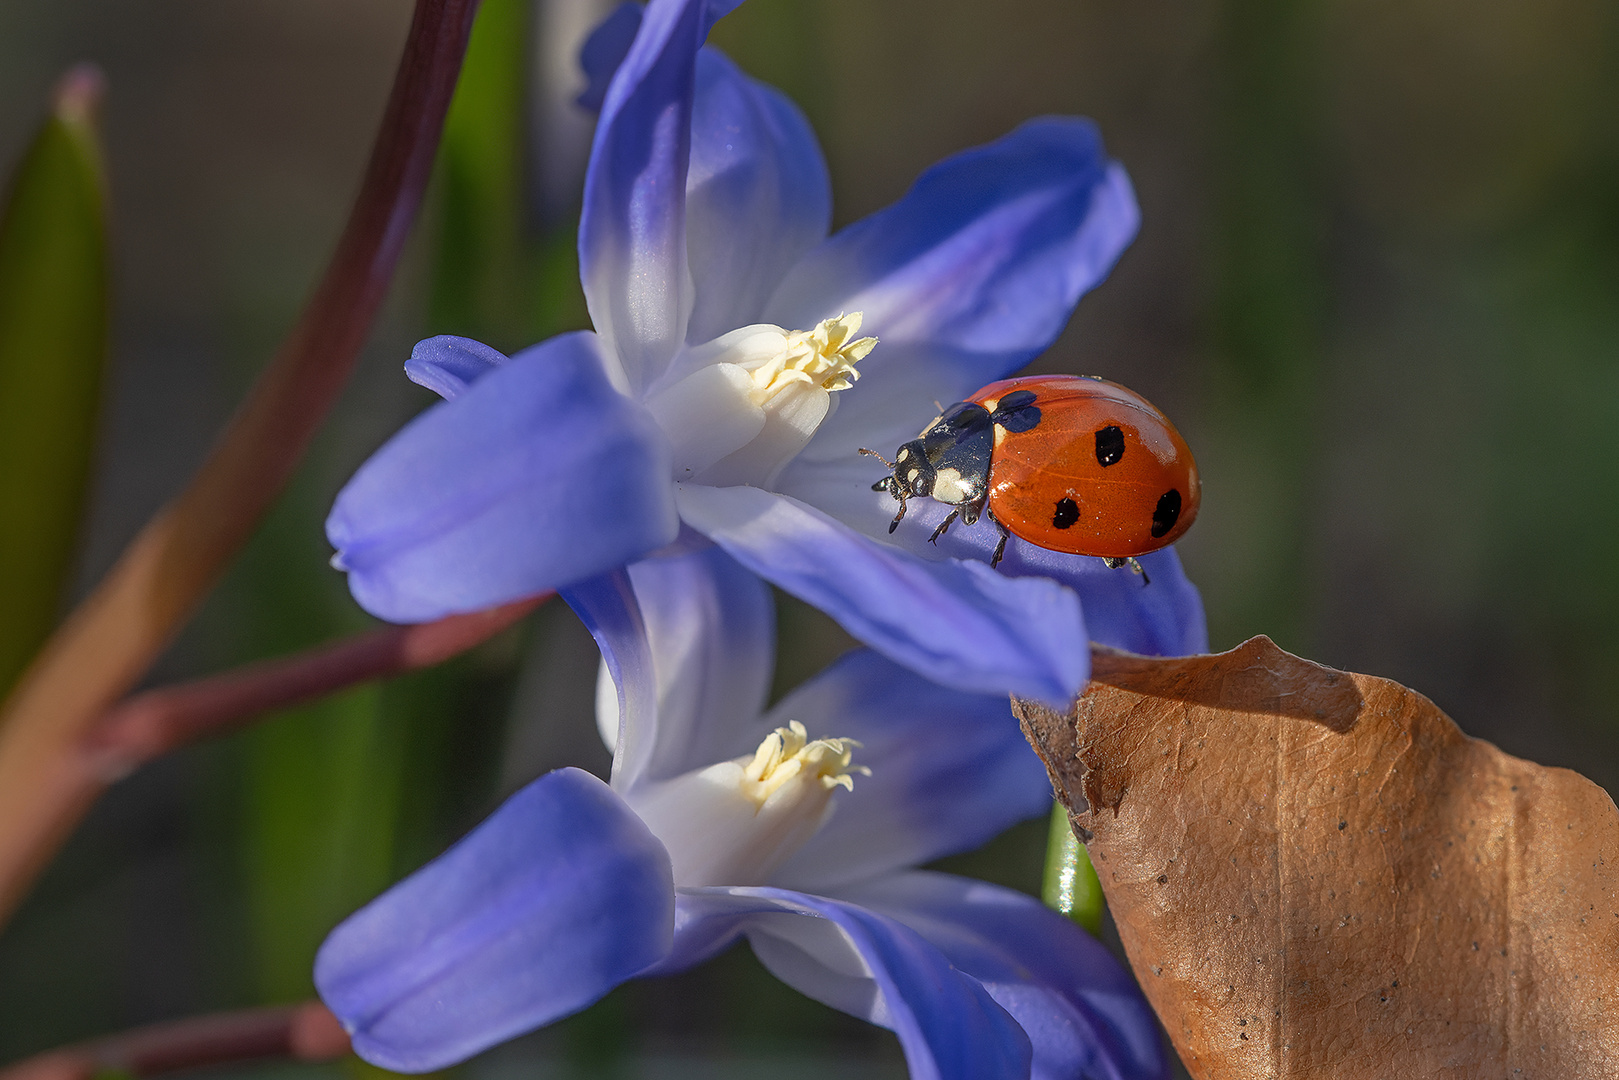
1167 513
1016 412
1067 513
1109 446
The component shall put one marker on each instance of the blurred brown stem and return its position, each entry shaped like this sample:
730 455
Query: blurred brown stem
306 1032
110 640
153 723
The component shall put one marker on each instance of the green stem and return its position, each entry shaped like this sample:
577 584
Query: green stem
1071 885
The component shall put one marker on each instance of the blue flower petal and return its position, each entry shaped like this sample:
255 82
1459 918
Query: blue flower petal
632 229
866 965
717 10
689 641
539 475
711 627
1164 618
949 771
1121 609
1082 1011
608 608
559 896
448 365
757 196
957 623
969 276
1156 614
604 50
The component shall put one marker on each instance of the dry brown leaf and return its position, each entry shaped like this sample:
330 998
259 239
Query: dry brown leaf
1316 874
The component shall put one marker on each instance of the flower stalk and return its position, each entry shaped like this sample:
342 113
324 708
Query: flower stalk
151 724
304 1032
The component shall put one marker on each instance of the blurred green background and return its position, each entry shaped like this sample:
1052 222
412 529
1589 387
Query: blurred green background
1377 286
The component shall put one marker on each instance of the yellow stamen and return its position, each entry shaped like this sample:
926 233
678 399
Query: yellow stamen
824 357
788 752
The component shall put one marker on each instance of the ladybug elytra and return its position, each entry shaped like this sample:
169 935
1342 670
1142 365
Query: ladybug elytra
1070 463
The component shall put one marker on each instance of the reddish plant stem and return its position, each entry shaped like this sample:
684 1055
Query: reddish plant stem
151 724
111 639
306 1032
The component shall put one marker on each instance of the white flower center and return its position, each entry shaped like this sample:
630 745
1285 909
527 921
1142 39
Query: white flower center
739 408
823 357
736 822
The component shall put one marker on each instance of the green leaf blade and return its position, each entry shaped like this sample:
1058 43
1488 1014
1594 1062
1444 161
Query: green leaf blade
54 323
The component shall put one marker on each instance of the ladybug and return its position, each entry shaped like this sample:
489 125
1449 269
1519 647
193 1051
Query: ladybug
1070 463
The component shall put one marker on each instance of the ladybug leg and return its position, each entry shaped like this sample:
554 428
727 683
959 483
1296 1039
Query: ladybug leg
943 525
899 494
1000 548
1117 564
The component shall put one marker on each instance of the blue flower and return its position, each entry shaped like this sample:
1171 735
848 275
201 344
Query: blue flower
797 829
740 359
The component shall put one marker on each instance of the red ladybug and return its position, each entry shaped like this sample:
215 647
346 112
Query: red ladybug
1068 462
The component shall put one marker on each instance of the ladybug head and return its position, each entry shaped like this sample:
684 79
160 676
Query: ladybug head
911 475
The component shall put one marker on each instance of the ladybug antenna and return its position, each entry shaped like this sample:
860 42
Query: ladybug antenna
879 457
